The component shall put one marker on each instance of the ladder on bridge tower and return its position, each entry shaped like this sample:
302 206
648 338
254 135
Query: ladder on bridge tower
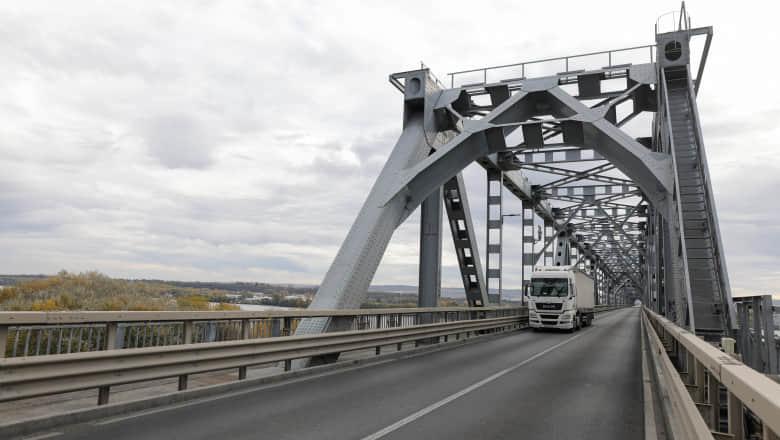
699 234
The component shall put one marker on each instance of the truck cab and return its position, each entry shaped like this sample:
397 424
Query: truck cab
560 297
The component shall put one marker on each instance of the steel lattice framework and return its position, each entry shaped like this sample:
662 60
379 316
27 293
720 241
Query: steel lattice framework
637 212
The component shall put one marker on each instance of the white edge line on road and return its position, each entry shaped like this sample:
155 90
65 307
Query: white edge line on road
434 406
43 436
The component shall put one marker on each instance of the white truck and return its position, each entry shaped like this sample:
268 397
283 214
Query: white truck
560 297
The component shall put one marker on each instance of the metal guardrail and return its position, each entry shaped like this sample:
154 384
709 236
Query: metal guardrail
714 381
170 347
102 364
42 333
565 64
32 376
45 333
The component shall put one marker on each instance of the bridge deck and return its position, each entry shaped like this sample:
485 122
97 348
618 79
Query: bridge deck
529 385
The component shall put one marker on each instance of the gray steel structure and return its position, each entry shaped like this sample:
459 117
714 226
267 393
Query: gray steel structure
635 210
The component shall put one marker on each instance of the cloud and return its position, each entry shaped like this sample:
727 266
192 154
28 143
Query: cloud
237 140
179 141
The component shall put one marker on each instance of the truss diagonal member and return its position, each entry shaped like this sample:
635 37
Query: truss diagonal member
558 231
606 232
589 174
651 171
346 282
477 139
619 228
459 217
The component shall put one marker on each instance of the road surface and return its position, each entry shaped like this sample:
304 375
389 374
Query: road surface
546 385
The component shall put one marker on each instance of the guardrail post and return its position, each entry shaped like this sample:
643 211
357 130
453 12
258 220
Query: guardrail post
188 332
188 338
287 331
3 340
713 391
111 330
246 326
183 379
736 422
103 393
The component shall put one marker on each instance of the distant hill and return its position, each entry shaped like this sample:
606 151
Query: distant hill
271 288
95 291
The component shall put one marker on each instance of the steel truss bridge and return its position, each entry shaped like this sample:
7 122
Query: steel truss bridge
605 153
634 210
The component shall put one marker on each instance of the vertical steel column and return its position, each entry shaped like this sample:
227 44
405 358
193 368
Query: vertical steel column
494 234
743 343
767 319
561 253
528 240
758 352
430 252
548 252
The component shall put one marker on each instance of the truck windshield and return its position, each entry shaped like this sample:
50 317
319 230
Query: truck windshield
550 287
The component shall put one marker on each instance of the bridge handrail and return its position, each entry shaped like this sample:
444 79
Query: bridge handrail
45 333
25 377
31 318
754 390
566 65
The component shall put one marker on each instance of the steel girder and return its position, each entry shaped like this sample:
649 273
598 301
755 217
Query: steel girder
612 202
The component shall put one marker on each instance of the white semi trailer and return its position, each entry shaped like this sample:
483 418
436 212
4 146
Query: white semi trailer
560 297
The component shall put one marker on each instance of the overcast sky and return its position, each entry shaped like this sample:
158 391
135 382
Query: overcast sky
237 140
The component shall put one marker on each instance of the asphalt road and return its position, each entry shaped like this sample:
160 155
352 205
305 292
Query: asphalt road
586 385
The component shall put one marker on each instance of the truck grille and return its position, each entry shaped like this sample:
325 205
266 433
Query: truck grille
554 317
548 306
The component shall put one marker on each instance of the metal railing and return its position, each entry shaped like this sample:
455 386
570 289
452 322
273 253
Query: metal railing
607 59
756 341
31 376
41 333
177 344
706 393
